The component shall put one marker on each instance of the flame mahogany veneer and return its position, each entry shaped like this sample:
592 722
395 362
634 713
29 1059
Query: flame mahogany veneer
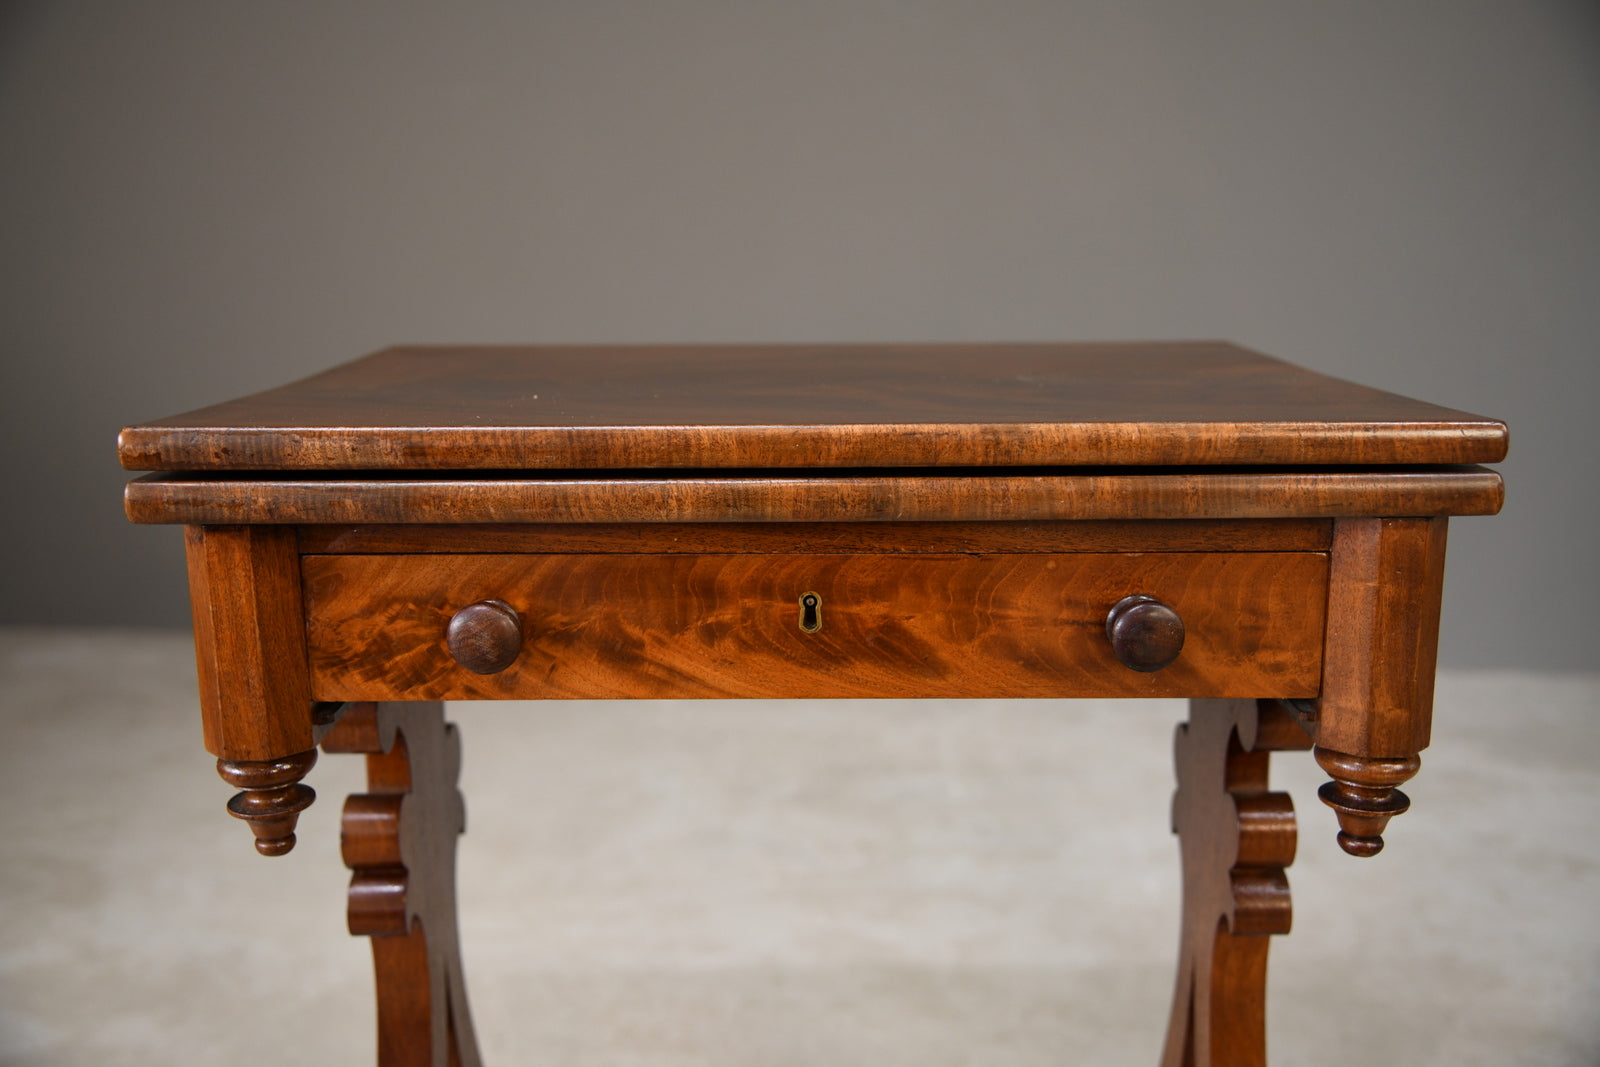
605 625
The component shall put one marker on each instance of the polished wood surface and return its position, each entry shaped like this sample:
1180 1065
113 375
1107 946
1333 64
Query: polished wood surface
1363 793
817 538
399 841
658 626
1237 836
1385 592
522 408
244 589
818 521
485 637
1375 711
271 797
1006 496
1145 634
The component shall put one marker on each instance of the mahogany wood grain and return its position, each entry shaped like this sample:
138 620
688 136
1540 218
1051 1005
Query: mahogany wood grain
653 626
399 840
520 408
1386 584
811 521
1375 714
1363 794
845 497
271 797
484 637
1145 634
250 649
814 538
1236 838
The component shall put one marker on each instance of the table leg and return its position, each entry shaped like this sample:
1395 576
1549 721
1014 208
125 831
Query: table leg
399 839
1236 838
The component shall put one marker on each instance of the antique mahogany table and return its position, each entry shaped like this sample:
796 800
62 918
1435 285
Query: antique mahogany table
1108 520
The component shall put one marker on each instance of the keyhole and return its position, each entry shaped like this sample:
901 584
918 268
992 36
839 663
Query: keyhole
810 612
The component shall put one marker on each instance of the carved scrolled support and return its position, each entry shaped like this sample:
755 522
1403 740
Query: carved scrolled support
369 838
1363 795
1236 837
399 840
272 797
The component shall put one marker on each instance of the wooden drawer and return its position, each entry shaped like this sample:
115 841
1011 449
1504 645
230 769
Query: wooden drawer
657 625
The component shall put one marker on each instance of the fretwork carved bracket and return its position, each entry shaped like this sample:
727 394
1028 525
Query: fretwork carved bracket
1236 838
399 839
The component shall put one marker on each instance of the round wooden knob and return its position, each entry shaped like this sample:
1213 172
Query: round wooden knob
1145 634
485 637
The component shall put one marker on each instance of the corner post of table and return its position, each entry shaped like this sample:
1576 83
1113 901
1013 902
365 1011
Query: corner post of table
1375 712
255 688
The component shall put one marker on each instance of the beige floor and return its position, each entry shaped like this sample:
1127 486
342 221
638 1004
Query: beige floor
816 885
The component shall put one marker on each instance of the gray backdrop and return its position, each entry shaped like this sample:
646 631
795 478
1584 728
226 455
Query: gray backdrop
199 200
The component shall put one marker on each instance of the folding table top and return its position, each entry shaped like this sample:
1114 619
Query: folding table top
811 406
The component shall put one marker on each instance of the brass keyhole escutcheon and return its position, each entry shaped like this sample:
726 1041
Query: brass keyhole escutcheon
810 613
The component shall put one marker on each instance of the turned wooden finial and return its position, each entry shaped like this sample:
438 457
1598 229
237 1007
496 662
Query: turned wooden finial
272 798
1364 796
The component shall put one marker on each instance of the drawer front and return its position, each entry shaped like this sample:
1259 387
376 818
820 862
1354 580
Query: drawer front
656 626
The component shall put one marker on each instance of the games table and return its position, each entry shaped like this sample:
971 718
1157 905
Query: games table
1032 520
